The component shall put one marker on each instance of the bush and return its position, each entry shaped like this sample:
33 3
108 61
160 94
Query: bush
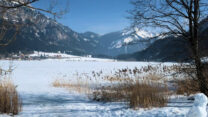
145 94
187 86
148 94
10 102
190 85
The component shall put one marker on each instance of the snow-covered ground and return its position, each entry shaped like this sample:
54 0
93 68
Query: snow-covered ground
34 80
68 57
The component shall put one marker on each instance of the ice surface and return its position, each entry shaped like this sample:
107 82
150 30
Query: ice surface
34 80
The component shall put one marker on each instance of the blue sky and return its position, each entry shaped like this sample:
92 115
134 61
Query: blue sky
100 16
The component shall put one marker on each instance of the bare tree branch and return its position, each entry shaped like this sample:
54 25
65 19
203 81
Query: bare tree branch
176 17
12 8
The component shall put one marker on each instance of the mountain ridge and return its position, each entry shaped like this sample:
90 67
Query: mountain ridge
40 33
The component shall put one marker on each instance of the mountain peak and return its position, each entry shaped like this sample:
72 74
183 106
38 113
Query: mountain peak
90 35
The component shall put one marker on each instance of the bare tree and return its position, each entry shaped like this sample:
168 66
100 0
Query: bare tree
180 18
12 8
6 5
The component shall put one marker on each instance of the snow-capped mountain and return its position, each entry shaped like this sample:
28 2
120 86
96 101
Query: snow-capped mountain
172 48
124 42
40 33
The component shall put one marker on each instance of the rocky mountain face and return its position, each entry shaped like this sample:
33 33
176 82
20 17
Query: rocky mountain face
171 48
168 49
40 33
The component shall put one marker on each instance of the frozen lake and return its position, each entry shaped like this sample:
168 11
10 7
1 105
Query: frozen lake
34 80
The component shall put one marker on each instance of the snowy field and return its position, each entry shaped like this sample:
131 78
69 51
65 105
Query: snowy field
68 57
40 99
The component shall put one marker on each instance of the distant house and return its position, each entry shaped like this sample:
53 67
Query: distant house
58 56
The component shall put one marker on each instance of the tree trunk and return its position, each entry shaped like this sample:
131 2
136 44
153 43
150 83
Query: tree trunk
195 48
199 73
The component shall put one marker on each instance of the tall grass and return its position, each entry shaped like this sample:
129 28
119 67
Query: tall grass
10 102
77 86
143 93
148 94
187 86
143 87
190 83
